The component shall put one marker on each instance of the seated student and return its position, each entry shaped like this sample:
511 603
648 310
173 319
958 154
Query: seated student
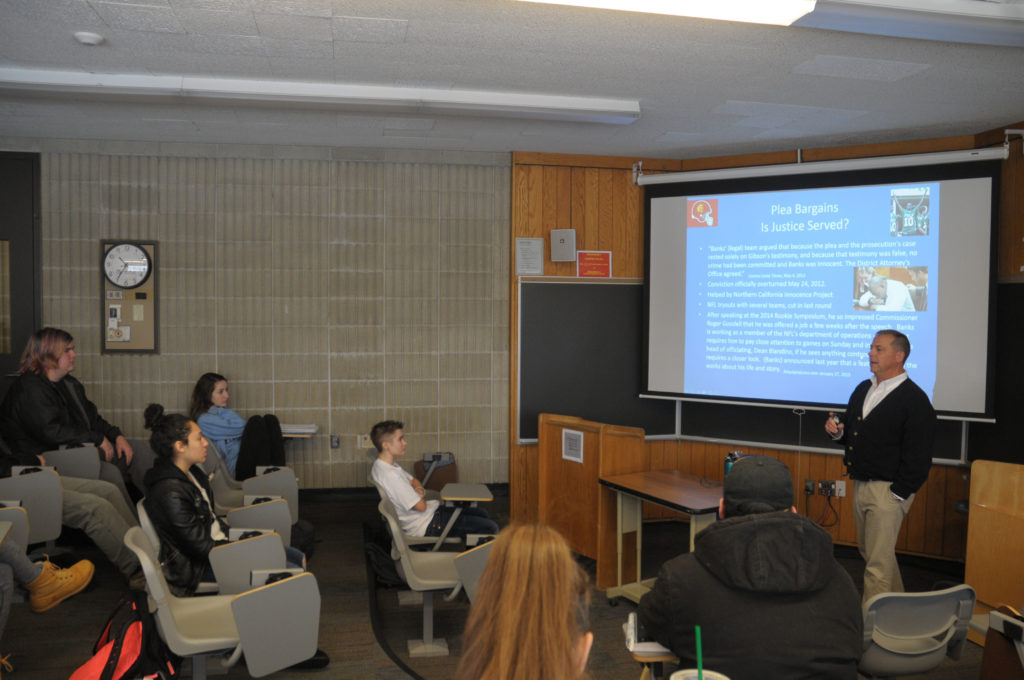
180 502
46 408
531 613
96 507
763 585
242 444
417 515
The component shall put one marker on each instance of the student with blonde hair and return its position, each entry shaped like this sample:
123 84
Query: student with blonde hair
531 613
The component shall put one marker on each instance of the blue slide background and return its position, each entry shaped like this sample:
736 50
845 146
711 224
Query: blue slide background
769 308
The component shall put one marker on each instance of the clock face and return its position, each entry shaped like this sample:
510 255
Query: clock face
127 265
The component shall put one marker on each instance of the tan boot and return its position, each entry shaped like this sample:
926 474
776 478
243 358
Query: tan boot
55 585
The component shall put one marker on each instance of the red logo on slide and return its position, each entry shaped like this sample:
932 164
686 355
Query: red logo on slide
702 212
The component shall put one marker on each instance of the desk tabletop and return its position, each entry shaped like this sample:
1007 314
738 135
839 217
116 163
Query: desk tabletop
672 489
455 491
5 528
298 431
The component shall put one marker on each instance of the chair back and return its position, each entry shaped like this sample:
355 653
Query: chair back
149 559
41 495
146 524
19 525
80 461
910 633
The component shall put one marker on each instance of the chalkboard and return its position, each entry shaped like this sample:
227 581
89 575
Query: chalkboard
579 355
783 427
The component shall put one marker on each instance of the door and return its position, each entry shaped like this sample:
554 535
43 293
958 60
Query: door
20 241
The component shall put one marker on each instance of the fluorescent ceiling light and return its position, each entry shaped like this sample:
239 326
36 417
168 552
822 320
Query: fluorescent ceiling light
842 165
984 22
345 97
775 12
968 21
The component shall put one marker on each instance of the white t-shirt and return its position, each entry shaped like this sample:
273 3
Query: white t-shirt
395 482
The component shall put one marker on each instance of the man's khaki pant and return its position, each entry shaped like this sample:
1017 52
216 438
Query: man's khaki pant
878 517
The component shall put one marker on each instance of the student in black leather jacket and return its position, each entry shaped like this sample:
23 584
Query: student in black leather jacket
179 499
180 502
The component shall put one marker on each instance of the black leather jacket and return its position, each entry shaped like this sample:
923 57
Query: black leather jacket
36 417
183 522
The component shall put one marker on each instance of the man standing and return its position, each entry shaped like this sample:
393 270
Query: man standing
763 585
888 432
46 409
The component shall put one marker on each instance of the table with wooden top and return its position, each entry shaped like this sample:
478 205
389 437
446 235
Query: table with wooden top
461 495
673 489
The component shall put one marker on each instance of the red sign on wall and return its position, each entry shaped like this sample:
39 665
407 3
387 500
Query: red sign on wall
594 263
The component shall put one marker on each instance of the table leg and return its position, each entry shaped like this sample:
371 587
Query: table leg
447 528
698 523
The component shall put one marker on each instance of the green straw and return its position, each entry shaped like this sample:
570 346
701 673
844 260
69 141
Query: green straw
700 659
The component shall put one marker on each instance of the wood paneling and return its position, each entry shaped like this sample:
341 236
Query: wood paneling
596 197
995 549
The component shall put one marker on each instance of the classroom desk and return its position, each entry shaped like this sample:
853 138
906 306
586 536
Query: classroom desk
460 495
5 528
303 431
673 489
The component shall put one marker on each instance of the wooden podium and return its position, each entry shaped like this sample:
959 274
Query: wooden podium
571 499
995 537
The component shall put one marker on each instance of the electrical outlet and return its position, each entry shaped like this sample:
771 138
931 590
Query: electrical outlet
363 441
809 487
335 441
826 488
841 489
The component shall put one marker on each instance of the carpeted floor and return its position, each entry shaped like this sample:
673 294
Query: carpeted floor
51 645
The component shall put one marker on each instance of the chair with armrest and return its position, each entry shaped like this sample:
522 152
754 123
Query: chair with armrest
80 461
426 573
232 563
910 633
409 538
274 626
230 493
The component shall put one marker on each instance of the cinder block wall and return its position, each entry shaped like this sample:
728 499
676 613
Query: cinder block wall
331 286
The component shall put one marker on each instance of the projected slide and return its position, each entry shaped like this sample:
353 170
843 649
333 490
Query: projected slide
780 281
775 296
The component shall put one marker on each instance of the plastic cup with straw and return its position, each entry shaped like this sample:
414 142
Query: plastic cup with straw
700 659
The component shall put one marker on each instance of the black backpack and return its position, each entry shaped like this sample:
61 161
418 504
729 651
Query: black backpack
129 646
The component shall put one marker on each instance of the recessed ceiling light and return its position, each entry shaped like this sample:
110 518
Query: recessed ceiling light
88 38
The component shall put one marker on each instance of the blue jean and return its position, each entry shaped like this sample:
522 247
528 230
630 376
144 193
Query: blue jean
471 521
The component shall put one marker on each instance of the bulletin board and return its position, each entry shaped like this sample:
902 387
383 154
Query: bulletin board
129 312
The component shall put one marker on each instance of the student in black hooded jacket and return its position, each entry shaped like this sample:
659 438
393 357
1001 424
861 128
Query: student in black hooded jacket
763 585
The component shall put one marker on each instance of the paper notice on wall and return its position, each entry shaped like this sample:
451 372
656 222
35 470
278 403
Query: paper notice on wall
529 256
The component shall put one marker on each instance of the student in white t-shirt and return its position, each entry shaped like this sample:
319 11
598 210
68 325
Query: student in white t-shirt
417 515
